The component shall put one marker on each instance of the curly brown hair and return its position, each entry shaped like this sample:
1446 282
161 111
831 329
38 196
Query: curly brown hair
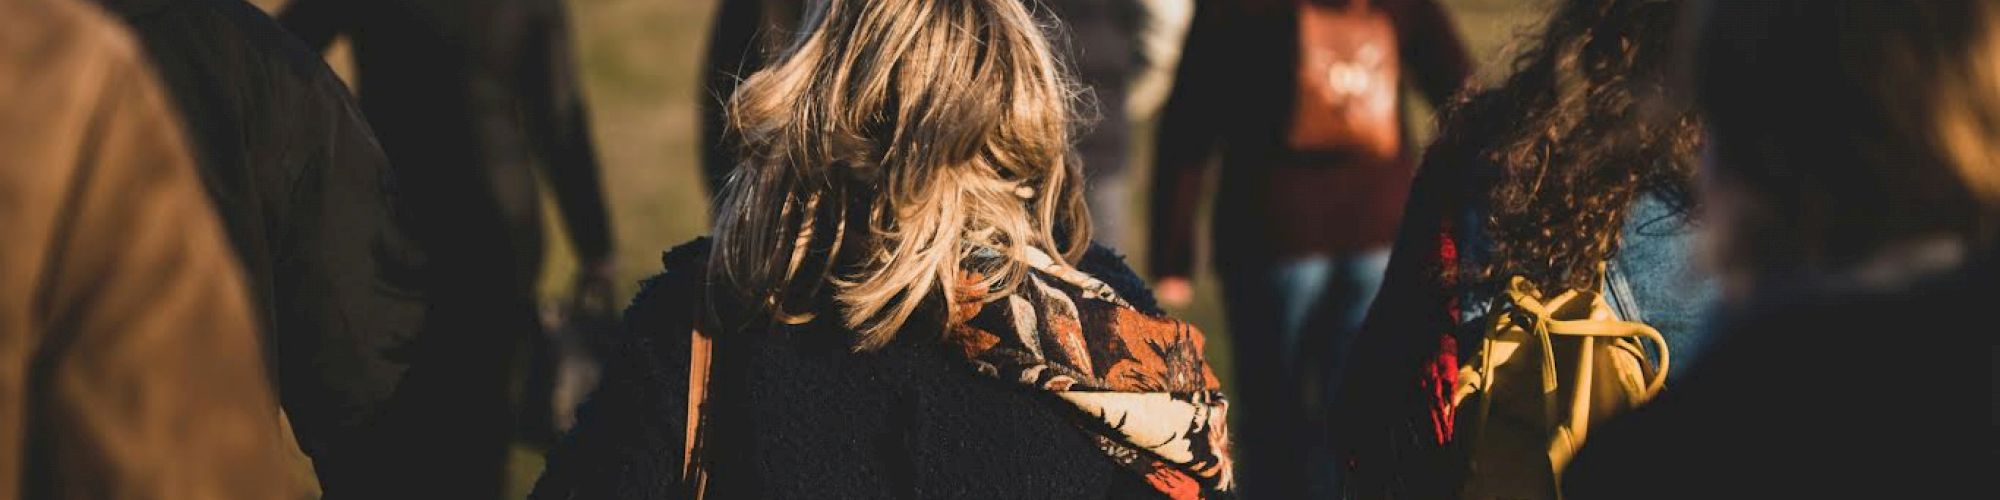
1578 132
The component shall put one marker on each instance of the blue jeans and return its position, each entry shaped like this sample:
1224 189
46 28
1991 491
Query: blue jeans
1292 323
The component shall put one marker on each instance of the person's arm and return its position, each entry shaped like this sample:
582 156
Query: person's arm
152 382
318 22
559 124
346 273
1189 131
1432 49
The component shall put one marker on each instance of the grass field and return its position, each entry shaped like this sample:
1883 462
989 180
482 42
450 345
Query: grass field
640 60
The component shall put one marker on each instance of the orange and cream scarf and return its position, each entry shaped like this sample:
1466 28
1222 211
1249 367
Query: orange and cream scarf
1141 381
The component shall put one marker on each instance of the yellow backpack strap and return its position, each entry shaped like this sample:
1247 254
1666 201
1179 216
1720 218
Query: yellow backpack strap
1625 329
1527 299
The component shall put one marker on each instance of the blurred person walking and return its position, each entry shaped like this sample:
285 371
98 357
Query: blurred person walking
469 99
1104 45
1160 41
132 347
1576 173
307 198
1301 100
1853 190
901 299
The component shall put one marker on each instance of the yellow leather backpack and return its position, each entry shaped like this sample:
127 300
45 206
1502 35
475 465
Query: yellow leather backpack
1548 369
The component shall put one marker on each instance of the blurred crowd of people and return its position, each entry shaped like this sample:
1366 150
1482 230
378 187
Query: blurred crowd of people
1682 248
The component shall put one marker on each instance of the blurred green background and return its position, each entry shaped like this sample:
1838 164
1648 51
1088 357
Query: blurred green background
640 61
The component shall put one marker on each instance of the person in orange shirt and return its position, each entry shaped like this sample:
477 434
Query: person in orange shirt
1297 104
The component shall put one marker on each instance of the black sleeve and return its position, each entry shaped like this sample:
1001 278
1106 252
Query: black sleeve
560 125
627 442
346 273
310 197
317 22
1189 131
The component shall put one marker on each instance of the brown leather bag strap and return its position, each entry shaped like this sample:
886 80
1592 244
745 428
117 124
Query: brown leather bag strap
694 466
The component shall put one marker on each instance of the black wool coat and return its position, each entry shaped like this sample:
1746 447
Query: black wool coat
799 414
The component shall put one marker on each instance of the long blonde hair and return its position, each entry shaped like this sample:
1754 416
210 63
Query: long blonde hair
891 141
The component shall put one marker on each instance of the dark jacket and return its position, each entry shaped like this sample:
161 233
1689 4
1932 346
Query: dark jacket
1816 394
306 196
129 340
800 415
1405 359
473 101
1233 96
469 99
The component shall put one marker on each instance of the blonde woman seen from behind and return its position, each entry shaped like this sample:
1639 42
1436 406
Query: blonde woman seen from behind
900 300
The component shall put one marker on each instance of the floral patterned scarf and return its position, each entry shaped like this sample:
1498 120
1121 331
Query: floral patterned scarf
1142 382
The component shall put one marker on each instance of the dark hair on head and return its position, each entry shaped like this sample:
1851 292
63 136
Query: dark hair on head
1851 126
1578 132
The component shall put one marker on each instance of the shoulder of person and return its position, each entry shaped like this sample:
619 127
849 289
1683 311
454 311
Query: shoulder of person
79 31
657 322
672 293
262 40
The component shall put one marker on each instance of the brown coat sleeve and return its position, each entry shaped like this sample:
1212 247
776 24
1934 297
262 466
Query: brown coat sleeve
141 372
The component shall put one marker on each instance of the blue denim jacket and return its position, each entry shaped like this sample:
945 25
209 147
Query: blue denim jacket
1653 279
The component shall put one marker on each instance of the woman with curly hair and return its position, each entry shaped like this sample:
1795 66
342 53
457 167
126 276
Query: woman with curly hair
1576 174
